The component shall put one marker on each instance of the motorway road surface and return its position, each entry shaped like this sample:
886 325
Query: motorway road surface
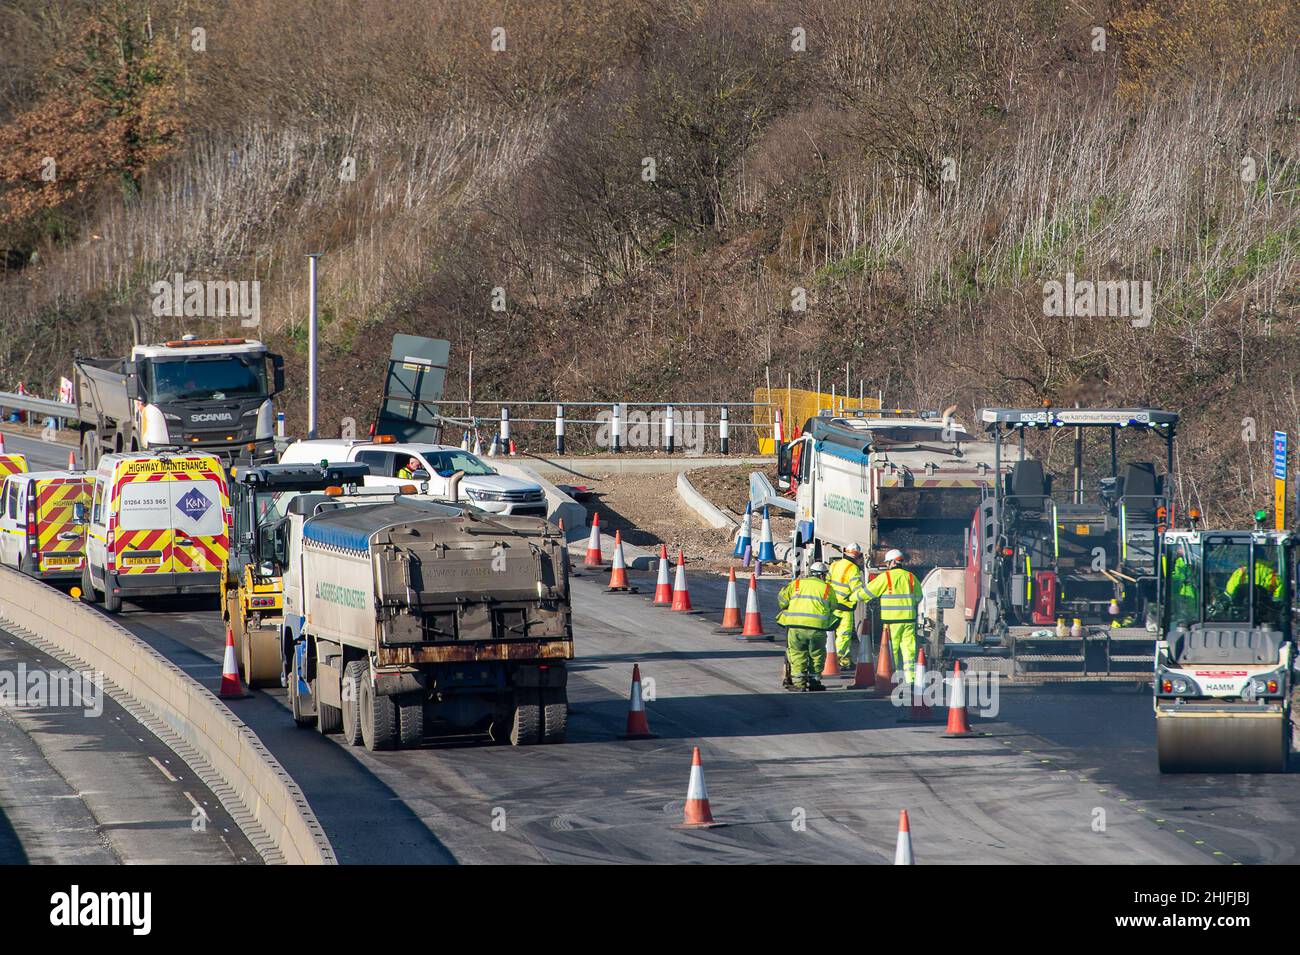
86 783
1062 775
798 777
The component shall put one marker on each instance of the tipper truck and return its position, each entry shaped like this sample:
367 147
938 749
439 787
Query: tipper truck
415 617
893 478
208 395
1226 651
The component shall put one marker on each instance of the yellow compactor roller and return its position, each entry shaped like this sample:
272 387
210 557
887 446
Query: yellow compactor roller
1224 668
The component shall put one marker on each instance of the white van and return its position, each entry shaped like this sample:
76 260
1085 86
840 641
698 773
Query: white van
158 524
38 533
389 464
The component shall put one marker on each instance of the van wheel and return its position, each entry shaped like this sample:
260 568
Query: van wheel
379 729
354 675
112 601
88 593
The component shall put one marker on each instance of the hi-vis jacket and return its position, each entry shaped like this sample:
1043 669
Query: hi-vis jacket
846 579
808 602
1265 579
898 593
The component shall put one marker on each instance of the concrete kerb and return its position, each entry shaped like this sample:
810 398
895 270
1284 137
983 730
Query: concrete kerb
708 512
558 504
221 750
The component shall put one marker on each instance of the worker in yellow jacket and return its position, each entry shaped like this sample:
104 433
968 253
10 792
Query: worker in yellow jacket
808 607
846 578
899 593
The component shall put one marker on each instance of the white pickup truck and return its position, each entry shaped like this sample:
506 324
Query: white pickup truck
482 486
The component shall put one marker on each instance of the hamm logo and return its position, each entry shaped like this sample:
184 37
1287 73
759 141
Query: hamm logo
193 504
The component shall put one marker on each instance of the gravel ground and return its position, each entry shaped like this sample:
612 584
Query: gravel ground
645 508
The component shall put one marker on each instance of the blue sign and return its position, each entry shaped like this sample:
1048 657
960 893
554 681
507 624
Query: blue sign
193 504
1279 455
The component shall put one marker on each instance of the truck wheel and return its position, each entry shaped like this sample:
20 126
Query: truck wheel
355 674
112 601
555 714
378 719
526 724
296 707
410 719
88 593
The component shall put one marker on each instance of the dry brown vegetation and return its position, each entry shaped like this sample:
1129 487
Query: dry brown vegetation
921 169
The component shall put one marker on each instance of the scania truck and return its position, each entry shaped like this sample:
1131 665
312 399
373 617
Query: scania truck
210 395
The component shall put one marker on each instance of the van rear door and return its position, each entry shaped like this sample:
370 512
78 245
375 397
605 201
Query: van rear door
61 543
198 514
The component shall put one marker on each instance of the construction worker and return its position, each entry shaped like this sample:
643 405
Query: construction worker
412 465
899 594
1182 588
846 577
1268 591
808 607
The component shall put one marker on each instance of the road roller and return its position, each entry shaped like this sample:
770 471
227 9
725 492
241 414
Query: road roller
1224 665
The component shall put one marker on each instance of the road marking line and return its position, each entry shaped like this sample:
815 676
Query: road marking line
164 770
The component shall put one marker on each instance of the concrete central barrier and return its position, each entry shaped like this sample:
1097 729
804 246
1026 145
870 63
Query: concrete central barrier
256 782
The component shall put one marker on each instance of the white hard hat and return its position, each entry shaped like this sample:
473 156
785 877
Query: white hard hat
893 554
854 548
818 569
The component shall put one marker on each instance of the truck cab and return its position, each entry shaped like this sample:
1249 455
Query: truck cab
211 395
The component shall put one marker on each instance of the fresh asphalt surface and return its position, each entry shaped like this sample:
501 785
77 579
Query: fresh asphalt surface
1063 774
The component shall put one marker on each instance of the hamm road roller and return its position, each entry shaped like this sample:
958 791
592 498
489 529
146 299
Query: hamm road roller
1223 670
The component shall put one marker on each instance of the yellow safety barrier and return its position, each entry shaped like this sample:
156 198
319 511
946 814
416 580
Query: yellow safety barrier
797 406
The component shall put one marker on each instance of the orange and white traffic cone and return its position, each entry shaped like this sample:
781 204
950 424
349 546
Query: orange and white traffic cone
681 596
593 543
885 663
618 570
921 711
753 619
903 850
958 718
72 460
2 442
663 589
731 621
697 814
231 688
832 665
864 677
637 727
